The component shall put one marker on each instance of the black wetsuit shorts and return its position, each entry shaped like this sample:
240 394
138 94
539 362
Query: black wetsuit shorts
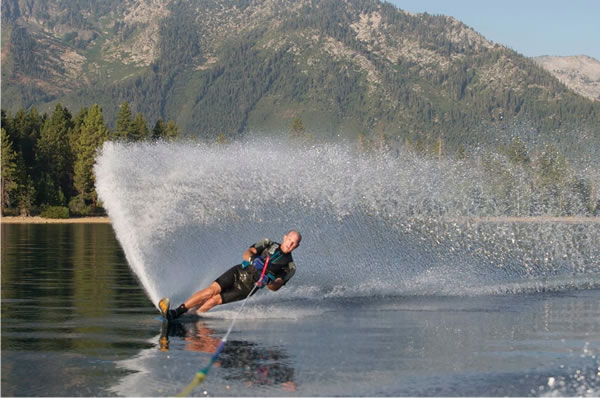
236 283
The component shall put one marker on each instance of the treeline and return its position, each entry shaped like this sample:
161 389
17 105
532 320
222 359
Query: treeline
48 160
512 180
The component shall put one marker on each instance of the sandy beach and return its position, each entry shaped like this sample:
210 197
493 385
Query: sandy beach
40 220
106 220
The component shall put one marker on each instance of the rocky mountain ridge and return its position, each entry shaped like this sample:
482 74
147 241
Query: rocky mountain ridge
580 73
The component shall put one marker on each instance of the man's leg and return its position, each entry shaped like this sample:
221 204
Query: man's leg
212 293
202 296
210 303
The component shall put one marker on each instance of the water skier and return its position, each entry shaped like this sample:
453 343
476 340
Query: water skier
237 282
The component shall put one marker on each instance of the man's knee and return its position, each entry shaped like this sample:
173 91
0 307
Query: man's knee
215 288
210 303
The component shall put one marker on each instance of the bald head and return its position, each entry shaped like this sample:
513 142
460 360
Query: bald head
291 240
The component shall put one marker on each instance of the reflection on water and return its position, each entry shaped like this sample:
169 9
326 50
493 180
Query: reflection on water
246 361
75 321
67 299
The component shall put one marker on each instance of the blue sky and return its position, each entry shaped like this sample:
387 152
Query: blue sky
531 27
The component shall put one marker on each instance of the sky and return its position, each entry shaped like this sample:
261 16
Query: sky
530 27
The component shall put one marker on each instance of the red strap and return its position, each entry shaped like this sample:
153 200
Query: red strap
264 270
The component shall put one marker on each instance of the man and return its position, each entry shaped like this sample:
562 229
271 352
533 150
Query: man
237 282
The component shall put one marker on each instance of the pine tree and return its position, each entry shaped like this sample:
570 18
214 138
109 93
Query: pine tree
297 130
221 138
124 125
159 131
552 166
76 130
54 158
552 176
26 189
139 129
9 172
92 135
172 130
517 152
24 134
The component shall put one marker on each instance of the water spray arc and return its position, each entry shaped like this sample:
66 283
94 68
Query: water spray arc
418 226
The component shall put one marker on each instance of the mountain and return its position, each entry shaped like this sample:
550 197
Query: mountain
343 67
580 73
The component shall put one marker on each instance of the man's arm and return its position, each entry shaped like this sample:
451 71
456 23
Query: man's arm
255 249
275 285
251 251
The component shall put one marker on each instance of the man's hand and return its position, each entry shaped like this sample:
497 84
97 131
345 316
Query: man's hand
275 285
263 282
258 262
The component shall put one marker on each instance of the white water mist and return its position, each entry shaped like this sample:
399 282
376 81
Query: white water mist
388 223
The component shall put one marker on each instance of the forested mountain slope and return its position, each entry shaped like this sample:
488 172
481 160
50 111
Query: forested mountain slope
227 66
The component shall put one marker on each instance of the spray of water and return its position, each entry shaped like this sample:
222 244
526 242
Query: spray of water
373 224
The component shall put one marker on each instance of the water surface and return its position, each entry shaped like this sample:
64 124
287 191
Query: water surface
76 322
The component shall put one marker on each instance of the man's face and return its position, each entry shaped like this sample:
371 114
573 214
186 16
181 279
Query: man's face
290 242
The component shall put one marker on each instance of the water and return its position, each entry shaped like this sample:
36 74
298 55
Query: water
76 322
404 286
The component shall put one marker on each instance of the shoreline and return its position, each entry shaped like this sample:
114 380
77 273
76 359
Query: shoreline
40 220
475 220
528 219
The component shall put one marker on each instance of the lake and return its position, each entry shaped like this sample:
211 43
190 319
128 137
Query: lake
77 322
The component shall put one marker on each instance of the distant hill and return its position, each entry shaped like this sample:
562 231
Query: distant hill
580 73
231 66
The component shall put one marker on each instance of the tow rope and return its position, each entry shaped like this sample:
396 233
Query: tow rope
201 374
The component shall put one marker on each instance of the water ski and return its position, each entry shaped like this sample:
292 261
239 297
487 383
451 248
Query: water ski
164 305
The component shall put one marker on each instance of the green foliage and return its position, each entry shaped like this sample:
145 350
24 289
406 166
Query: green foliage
49 160
124 127
160 130
222 139
517 152
54 158
165 131
26 192
48 191
10 182
24 131
54 212
297 130
139 129
93 133
27 59
553 168
514 181
79 207
172 131
553 175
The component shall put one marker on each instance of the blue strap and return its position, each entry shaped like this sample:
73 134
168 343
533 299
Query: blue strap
277 255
